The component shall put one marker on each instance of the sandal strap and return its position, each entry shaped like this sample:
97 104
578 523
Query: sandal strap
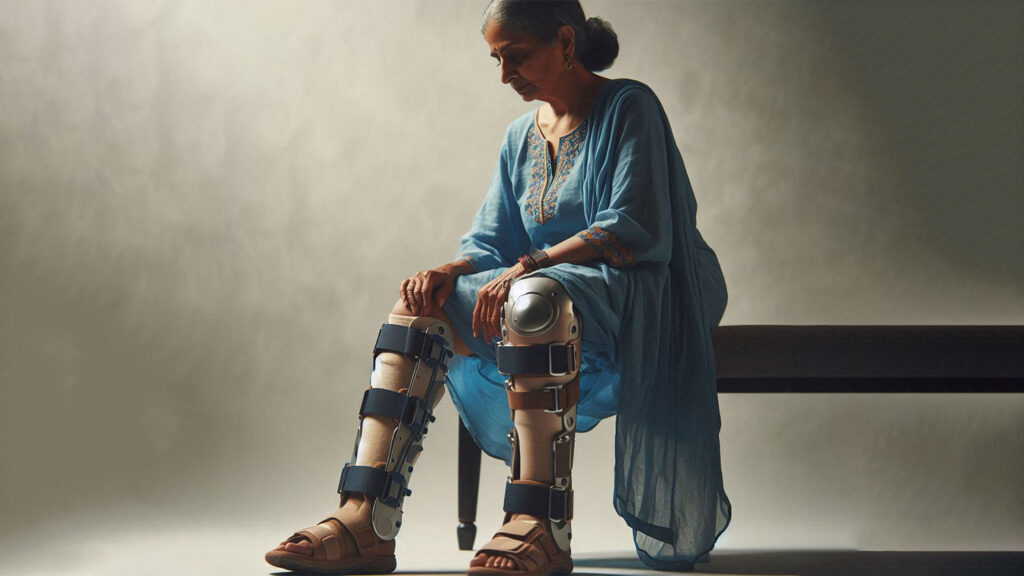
330 542
364 537
324 539
527 544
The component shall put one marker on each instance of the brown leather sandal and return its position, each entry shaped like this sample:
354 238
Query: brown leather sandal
529 546
352 549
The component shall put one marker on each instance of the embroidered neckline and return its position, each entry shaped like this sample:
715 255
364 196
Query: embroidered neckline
542 199
536 126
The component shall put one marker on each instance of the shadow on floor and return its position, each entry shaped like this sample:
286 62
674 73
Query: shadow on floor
836 563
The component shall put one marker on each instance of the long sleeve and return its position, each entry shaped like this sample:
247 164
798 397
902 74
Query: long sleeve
497 236
635 226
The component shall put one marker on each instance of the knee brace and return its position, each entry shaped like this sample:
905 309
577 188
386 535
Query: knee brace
429 343
543 374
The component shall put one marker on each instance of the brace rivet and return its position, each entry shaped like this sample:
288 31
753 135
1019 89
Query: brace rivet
398 524
440 329
410 468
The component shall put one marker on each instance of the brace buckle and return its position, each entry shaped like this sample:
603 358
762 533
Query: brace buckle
554 390
416 415
394 490
570 360
566 504
431 344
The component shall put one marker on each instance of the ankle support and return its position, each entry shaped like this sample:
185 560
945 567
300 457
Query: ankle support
543 374
429 342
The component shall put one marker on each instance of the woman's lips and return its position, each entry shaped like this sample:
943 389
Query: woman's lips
521 88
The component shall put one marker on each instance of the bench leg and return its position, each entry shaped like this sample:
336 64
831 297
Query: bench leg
469 487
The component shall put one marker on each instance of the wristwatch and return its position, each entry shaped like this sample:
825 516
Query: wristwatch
541 258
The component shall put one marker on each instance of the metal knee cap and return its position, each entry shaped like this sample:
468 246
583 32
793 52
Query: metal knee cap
534 306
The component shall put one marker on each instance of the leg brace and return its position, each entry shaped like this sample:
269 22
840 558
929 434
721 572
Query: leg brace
542 363
429 342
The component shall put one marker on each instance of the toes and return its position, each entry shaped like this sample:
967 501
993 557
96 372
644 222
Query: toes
300 547
488 561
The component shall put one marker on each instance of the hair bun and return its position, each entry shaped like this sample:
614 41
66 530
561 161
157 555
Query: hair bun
602 45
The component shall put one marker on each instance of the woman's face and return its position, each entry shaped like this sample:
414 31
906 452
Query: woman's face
530 66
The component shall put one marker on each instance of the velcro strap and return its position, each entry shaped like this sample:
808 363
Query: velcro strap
388 487
540 501
548 359
549 399
416 343
409 410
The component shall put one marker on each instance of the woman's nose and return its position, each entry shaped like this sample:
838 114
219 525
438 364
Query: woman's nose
507 73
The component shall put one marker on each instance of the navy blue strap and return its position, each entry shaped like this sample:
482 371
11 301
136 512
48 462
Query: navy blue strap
416 343
388 487
548 359
409 410
540 501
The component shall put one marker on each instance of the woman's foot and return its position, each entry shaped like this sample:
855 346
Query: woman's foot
498 561
343 543
302 545
506 554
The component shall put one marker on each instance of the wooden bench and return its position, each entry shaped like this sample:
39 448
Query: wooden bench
830 359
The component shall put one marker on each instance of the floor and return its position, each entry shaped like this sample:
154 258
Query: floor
168 548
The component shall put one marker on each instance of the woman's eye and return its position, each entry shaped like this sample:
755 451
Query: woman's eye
512 60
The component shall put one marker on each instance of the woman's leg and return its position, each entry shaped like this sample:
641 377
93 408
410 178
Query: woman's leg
542 320
379 446
461 348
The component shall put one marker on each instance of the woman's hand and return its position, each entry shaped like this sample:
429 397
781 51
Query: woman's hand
489 300
417 292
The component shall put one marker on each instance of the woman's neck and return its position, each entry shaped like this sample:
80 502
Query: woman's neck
576 94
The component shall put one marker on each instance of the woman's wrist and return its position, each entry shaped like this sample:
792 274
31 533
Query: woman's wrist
533 261
457 268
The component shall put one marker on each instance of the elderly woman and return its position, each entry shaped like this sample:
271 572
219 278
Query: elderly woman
582 290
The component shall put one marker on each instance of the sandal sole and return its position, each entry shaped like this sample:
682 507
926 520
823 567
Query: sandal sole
551 571
297 563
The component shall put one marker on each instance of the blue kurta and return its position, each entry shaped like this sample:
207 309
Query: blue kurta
648 307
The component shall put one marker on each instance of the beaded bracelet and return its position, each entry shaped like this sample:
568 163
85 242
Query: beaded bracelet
529 264
535 261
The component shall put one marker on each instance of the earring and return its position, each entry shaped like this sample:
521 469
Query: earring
568 63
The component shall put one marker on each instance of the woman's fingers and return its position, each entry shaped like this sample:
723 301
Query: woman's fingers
494 318
478 310
476 315
488 329
403 293
417 296
424 295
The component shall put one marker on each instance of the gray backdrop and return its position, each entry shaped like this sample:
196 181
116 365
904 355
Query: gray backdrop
206 208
